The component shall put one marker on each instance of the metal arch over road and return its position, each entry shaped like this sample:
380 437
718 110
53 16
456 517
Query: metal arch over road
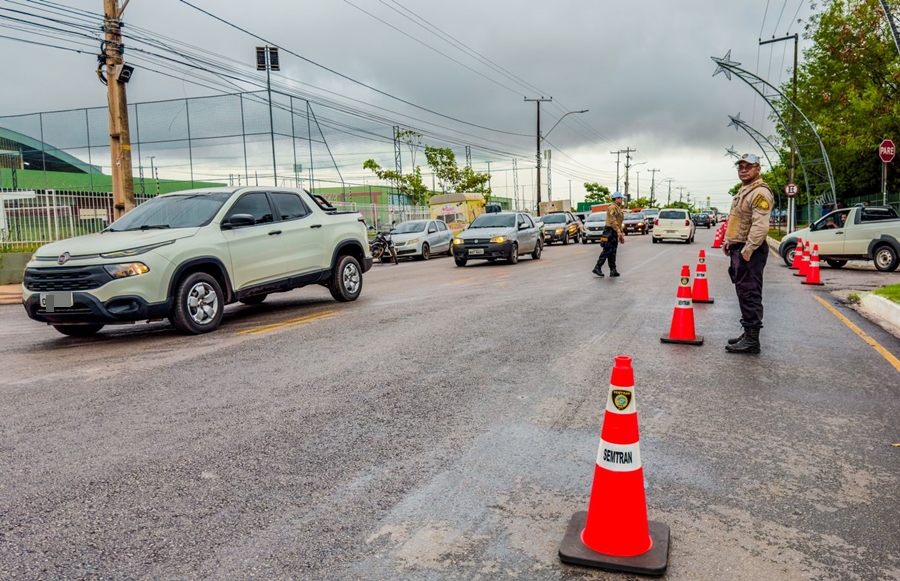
765 143
819 169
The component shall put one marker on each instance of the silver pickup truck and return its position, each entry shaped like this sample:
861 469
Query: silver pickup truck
857 233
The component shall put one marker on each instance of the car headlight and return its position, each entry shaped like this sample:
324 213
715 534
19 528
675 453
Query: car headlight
640 223
457 241
412 242
136 251
126 270
499 239
559 230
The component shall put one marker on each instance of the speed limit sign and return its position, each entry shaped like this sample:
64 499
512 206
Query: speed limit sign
791 190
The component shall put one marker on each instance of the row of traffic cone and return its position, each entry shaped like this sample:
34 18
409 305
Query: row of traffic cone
720 235
682 328
806 263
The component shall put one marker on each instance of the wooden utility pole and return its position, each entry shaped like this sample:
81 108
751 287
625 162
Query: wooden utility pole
119 134
539 140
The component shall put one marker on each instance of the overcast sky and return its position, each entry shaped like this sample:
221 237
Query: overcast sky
641 68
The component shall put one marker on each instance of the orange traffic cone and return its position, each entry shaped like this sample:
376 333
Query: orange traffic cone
798 256
812 276
682 330
804 264
717 239
700 292
614 533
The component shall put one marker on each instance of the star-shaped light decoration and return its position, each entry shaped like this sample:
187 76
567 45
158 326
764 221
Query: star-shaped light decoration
723 63
736 121
731 151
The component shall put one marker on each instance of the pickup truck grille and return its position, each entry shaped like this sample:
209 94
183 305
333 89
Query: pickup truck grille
65 279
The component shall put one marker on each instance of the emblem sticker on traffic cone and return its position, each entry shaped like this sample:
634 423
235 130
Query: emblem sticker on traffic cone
798 254
682 329
812 277
804 264
614 532
700 292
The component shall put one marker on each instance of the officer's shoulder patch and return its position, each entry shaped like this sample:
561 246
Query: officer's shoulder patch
760 202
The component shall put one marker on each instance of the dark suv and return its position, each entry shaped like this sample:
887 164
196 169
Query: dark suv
702 219
560 227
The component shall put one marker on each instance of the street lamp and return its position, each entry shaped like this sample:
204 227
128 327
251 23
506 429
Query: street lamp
540 140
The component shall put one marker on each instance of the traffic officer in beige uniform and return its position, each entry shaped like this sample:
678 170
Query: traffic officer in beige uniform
614 234
745 242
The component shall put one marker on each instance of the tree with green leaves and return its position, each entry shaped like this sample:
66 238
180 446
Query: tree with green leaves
849 87
409 184
597 194
640 203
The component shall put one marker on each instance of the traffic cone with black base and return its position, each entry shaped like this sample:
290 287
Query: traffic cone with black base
682 329
614 533
700 292
812 277
798 255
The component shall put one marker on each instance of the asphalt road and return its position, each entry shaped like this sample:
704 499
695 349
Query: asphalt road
445 426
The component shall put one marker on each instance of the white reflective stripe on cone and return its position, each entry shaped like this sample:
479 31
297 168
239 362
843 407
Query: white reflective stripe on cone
619 457
700 274
684 304
814 263
620 400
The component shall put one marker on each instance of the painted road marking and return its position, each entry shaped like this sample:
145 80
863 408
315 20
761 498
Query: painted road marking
289 323
872 342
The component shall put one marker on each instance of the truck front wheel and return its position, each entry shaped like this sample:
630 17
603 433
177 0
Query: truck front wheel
199 304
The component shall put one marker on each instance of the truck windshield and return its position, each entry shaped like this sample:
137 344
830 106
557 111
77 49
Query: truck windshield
174 211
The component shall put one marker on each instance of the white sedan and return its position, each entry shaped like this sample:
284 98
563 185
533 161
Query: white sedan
422 238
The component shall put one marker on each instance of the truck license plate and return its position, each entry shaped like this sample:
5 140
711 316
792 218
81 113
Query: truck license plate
57 300
475 251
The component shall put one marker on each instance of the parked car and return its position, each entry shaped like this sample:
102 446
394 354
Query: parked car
184 256
560 227
635 222
702 219
593 227
674 224
503 235
857 233
422 238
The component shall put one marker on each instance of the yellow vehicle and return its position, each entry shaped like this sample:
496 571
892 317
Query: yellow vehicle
456 210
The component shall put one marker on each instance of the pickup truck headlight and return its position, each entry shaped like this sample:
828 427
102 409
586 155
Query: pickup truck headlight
559 230
457 241
499 239
135 251
126 270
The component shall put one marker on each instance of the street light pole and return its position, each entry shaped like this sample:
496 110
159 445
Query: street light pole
791 207
540 139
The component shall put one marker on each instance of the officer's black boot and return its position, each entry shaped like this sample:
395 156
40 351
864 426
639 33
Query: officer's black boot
613 271
737 339
748 344
598 267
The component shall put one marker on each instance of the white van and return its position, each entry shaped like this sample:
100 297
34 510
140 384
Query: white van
673 224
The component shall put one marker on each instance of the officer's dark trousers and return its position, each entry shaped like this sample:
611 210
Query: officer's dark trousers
747 276
610 247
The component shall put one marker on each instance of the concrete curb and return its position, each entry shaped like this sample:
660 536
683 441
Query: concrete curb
10 294
881 311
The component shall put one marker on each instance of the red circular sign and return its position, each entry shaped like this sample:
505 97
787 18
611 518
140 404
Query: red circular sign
791 190
886 151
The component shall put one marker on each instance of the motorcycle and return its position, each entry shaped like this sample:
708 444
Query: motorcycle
382 248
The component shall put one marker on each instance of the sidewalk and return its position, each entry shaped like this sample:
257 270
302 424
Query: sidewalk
11 294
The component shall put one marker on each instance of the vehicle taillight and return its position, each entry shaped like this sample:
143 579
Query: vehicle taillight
363 220
656 222
687 223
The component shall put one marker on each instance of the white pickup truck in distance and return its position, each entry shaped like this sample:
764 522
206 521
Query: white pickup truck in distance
857 233
184 256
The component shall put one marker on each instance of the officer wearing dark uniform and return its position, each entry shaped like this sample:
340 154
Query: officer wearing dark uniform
613 233
745 242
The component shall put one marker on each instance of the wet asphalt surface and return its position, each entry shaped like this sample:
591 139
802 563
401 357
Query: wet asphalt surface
445 426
